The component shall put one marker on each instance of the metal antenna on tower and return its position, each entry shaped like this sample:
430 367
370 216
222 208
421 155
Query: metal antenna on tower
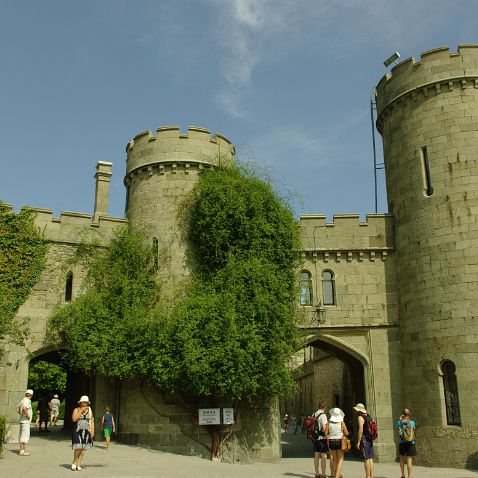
376 166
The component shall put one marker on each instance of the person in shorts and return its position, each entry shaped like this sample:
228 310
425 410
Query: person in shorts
364 444
320 446
406 449
54 410
336 431
24 408
108 426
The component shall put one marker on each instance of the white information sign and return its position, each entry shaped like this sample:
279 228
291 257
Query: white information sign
209 416
228 416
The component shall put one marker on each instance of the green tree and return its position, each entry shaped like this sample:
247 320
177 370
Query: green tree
22 259
231 330
46 378
101 331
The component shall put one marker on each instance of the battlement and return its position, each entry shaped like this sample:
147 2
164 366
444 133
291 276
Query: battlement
437 70
346 232
75 227
170 145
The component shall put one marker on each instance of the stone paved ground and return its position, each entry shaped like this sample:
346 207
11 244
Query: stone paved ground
51 457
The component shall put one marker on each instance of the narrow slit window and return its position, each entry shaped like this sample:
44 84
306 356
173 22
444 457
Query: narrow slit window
305 288
126 204
450 388
427 181
155 252
328 288
69 287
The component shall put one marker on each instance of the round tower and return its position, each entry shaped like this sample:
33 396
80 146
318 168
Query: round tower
428 118
160 170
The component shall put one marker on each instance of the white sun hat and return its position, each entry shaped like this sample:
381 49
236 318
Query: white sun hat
336 415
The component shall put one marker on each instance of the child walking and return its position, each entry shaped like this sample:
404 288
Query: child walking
108 425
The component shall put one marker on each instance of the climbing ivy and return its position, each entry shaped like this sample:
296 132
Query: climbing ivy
105 330
234 330
22 259
230 332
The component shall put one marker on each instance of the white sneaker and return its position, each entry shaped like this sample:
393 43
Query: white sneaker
73 467
78 468
24 453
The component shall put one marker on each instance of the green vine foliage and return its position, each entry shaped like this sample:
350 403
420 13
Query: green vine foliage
22 259
229 333
102 330
232 334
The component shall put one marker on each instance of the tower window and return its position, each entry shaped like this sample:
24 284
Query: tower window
155 252
328 288
305 288
427 181
450 388
69 287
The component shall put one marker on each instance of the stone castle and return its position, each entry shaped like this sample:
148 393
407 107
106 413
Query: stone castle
391 302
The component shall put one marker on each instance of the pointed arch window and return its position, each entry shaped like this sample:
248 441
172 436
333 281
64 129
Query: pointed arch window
328 288
69 287
155 252
450 388
305 288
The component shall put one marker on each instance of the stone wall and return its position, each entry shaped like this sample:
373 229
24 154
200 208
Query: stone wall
63 234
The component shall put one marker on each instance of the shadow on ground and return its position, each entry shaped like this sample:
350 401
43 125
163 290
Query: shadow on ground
296 445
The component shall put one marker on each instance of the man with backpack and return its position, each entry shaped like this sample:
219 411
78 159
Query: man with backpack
318 433
367 432
406 447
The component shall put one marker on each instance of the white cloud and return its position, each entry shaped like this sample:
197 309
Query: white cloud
254 32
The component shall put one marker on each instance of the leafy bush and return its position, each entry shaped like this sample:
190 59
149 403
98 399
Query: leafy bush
46 378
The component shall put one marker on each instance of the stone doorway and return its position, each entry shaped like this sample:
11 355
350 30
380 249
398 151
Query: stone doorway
77 384
327 372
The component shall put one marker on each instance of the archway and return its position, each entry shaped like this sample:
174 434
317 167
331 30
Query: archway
77 383
332 371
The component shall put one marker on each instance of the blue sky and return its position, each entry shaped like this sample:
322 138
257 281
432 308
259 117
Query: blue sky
288 81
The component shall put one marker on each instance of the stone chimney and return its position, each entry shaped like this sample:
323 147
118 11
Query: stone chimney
102 176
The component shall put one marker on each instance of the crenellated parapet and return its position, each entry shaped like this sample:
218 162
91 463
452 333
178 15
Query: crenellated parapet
75 227
438 71
171 151
347 238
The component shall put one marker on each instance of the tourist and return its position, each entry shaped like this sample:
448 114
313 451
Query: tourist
293 424
43 412
364 443
336 431
83 431
303 422
406 447
108 426
24 408
320 441
286 423
55 409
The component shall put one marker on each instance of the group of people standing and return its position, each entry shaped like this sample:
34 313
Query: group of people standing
83 427
332 433
47 411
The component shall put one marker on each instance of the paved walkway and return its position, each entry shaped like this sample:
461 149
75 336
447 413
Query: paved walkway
51 457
